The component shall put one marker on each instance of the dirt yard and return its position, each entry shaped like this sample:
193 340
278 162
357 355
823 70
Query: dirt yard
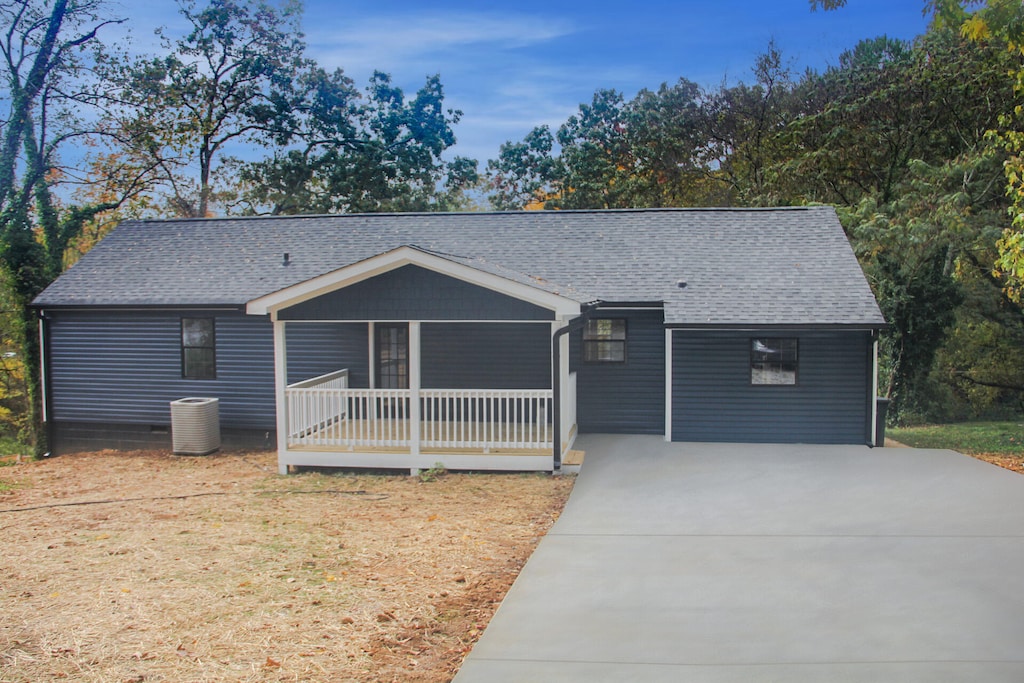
218 569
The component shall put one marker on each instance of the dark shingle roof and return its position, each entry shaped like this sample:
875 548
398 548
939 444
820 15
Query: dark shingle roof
786 266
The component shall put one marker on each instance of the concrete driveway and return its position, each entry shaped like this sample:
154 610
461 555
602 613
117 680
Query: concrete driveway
740 563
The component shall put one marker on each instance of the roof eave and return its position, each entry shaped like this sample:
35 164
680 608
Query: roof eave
138 306
865 326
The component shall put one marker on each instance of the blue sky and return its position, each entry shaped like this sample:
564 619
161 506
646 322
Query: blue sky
510 67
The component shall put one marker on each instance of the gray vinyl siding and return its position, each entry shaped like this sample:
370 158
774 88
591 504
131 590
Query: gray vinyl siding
624 398
486 355
125 367
713 400
414 293
318 348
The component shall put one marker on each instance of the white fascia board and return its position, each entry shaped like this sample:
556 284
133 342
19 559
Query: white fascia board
403 256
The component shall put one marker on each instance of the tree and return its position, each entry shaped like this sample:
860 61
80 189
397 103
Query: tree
1004 21
919 301
230 80
746 128
596 158
595 169
887 104
525 172
668 133
926 252
380 152
1000 21
47 52
862 132
970 147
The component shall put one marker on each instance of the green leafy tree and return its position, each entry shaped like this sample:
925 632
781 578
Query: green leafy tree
596 159
860 139
927 252
230 80
47 52
378 152
1002 22
668 134
919 300
746 129
957 83
595 168
981 361
525 172
671 147
889 103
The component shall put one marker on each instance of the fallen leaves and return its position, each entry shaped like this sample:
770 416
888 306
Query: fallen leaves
393 585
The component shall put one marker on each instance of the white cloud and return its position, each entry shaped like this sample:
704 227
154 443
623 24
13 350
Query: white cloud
395 42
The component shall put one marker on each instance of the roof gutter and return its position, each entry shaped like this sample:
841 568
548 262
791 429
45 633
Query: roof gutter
556 386
777 327
137 307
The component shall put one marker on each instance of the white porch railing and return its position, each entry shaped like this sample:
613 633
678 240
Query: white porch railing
332 380
313 405
325 412
485 418
348 418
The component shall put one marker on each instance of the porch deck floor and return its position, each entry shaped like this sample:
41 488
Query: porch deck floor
360 435
325 448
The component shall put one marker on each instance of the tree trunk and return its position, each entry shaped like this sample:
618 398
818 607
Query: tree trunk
23 97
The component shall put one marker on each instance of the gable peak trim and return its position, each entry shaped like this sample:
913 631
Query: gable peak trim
405 256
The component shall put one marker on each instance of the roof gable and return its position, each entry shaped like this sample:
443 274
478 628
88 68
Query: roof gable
404 257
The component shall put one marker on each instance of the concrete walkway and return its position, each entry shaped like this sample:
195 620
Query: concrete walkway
715 563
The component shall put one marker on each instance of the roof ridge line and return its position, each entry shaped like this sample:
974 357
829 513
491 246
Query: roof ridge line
657 209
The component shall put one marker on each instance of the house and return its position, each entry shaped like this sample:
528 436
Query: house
478 340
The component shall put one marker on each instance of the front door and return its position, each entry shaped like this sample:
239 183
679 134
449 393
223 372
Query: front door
392 344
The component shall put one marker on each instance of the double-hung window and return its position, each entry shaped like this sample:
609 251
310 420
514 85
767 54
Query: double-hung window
604 340
198 348
774 361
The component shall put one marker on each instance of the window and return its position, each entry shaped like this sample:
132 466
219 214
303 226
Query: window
198 349
392 356
604 341
773 361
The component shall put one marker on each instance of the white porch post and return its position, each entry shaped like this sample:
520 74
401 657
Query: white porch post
668 385
280 382
372 351
414 388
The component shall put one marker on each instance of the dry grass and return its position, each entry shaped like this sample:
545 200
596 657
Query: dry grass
253 576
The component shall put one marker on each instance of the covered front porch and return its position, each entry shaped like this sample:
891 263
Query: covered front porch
404 428
436 364
329 422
